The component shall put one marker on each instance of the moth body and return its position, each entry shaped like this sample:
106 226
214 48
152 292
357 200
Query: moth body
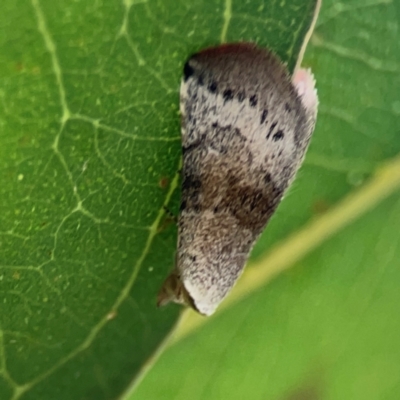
246 125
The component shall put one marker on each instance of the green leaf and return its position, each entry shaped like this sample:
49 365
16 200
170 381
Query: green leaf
89 154
329 328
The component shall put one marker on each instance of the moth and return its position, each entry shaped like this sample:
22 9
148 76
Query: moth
246 125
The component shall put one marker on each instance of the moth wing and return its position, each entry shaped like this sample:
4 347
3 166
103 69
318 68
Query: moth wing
245 130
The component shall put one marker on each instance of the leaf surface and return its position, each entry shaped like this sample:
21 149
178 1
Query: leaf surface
89 154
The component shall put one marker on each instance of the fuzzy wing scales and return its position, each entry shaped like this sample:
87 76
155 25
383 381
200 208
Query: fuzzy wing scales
245 131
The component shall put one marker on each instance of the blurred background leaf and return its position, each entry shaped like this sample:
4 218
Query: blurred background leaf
89 153
329 328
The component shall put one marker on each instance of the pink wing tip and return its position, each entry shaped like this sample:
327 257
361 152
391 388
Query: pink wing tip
304 82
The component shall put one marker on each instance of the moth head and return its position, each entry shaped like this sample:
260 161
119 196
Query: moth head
173 290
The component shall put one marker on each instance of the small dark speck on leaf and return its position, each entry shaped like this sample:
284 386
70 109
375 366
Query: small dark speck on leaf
163 182
320 206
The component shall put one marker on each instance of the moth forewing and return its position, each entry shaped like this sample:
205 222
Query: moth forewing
246 125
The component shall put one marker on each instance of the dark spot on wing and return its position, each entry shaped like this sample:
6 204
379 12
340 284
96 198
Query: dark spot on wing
264 116
253 100
287 107
188 71
272 127
191 182
191 190
213 87
267 178
228 95
183 205
278 136
187 149
200 80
